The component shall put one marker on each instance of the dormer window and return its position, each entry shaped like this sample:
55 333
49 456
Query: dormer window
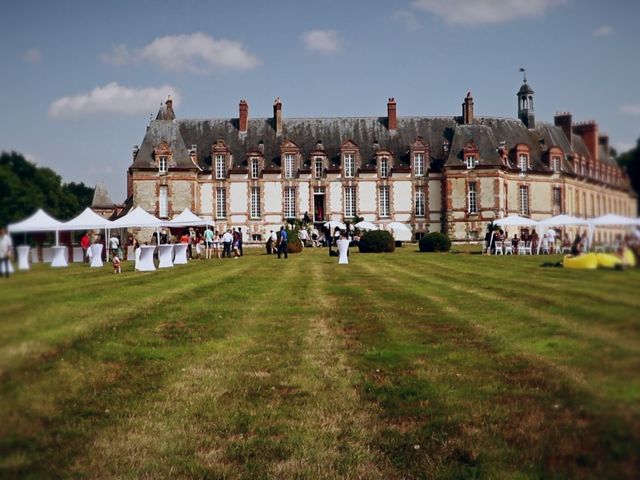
221 171
318 167
555 163
384 167
418 164
162 164
255 168
349 160
288 165
523 162
470 161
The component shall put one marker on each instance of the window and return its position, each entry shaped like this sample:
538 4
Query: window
289 202
220 168
318 167
221 202
288 166
419 203
349 165
255 202
473 198
349 202
162 164
555 164
557 197
163 202
524 200
471 161
418 164
523 162
255 168
384 167
383 205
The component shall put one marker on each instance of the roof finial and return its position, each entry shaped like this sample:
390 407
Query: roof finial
524 75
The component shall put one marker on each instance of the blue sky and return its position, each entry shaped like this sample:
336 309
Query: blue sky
80 78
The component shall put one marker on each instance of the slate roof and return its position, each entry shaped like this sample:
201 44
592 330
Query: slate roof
369 133
101 197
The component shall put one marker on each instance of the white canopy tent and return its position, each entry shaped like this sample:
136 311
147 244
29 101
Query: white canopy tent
515 221
363 225
138 217
187 219
401 232
610 220
87 220
40 221
563 221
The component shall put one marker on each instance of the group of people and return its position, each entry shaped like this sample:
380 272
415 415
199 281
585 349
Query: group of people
551 242
278 243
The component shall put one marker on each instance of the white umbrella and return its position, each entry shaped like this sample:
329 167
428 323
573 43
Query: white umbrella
401 232
364 225
333 224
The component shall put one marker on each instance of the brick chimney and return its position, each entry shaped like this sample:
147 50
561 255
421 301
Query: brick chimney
603 141
564 120
243 123
467 110
588 131
392 119
277 116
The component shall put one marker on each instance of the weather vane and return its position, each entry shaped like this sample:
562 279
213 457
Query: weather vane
524 74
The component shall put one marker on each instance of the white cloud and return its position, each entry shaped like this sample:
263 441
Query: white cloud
112 98
193 53
603 31
632 109
32 55
322 41
409 19
474 12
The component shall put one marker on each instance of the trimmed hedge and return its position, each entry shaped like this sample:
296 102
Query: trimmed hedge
435 242
376 241
294 244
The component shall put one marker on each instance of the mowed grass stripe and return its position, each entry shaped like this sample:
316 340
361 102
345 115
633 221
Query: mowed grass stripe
469 340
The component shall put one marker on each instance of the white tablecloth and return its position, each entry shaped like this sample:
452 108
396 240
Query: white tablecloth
343 250
96 255
165 255
34 256
181 253
60 256
23 257
47 254
78 254
145 261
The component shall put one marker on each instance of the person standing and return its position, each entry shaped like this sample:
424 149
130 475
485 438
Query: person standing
240 242
85 243
270 243
227 240
114 244
6 246
208 243
236 243
282 245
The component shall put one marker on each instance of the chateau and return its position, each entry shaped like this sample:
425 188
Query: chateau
451 174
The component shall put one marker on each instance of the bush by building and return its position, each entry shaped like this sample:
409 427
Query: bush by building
435 242
294 244
377 241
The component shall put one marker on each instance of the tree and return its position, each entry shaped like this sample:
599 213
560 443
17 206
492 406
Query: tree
25 187
630 161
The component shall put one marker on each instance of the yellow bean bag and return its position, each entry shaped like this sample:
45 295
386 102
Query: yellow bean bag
628 258
581 262
607 260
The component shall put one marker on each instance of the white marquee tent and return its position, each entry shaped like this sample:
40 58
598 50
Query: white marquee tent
187 219
40 221
515 221
563 221
87 220
138 217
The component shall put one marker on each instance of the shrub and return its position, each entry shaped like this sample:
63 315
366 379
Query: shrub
435 242
294 244
377 241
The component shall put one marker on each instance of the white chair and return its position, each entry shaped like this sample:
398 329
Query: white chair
180 250
47 254
522 248
343 251
96 255
508 248
23 257
498 246
34 256
599 249
144 262
60 255
544 248
165 254
78 255
527 248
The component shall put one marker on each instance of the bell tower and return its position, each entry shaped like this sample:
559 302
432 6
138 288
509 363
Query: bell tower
525 103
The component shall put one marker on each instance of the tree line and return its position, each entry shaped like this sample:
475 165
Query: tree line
25 187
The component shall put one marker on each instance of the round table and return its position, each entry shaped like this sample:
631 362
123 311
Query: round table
59 257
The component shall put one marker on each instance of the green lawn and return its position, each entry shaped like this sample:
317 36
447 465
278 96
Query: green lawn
402 365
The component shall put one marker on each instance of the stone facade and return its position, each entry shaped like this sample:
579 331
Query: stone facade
452 174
